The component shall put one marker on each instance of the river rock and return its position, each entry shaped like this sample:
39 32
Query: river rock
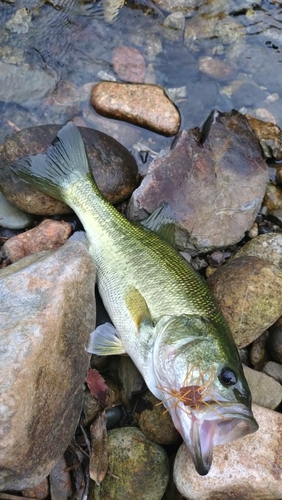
12 217
264 246
156 423
216 178
19 83
273 197
258 351
48 235
114 168
215 68
249 468
47 311
275 341
265 391
129 64
138 468
248 290
269 136
177 5
274 370
145 105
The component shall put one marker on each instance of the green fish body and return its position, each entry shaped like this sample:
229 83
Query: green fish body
163 313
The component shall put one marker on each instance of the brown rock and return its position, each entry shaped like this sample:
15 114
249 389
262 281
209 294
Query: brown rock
269 136
49 235
216 178
215 68
47 311
114 168
273 197
60 481
265 246
249 468
129 64
144 105
39 492
156 424
248 290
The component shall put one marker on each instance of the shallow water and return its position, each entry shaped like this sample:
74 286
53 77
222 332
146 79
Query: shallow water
53 51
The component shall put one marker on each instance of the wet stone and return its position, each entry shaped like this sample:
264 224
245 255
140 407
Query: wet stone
258 352
276 217
215 68
248 468
137 468
273 197
114 168
11 217
47 311
269 136
143 105
265 391
48 235
274 370
248 290
155 423
196 180
275 342
129 64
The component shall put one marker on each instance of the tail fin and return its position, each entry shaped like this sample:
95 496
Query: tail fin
64 162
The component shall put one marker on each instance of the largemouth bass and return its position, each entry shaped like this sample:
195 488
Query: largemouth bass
163 313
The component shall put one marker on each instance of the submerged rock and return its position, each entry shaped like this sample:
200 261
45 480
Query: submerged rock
214 182
249 468
138 468
144 105
248 290
114 168
47 310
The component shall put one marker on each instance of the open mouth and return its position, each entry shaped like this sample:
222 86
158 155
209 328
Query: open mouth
202 431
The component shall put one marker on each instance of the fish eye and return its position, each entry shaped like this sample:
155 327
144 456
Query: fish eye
227 377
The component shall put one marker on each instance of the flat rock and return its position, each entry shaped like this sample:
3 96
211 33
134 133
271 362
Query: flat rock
265 246
145 105
265 391
249 468
248 290
274 370
138 468
12 217
47 311
48 235
214 182
114 168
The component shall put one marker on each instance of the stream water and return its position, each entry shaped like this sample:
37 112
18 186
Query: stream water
214 54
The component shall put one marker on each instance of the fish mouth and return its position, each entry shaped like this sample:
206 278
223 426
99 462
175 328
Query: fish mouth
220 426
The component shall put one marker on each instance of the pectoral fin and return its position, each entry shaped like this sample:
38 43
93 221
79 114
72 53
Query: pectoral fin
162 222
105 341
137 307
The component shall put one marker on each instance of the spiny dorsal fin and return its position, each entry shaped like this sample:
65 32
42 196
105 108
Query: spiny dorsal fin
162 222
